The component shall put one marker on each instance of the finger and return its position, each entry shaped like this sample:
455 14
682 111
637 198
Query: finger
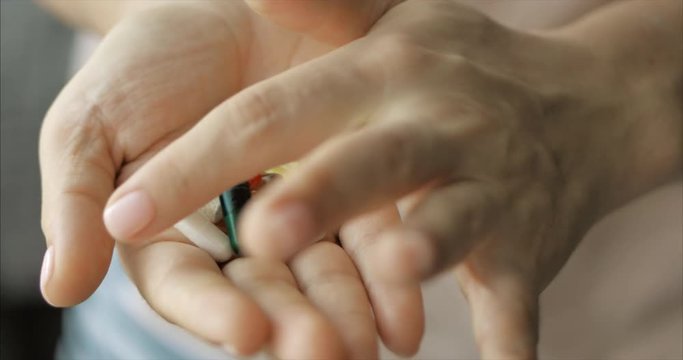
397 307
504 315
331 282
346 176
300 331
333 21
248 133
185 286
77 176
437 234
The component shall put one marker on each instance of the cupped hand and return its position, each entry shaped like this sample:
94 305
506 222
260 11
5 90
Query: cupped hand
315 307
500 148
155 75
149 81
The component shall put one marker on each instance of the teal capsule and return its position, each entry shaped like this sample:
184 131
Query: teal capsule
232 202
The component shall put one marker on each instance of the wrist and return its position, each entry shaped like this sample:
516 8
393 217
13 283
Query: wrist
631 96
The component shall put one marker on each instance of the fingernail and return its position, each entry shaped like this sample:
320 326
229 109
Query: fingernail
291 226
129 215
47 267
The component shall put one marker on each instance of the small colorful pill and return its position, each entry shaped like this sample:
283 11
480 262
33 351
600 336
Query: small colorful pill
232 202
206 235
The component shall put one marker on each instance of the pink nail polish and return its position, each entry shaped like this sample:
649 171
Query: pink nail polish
47 267
128 215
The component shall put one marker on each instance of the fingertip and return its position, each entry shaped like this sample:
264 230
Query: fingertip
276 232
400 316
401 260
404 337
67 280
237 323
78 256
46 271
315 338
249 329
403 256
128 215
405 348
397 308
231 319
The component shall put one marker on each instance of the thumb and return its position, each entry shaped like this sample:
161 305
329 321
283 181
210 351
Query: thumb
331 21
77 176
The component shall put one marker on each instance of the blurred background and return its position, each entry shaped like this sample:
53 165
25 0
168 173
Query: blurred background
34 57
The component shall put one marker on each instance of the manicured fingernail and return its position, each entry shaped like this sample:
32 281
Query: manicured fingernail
47 267
129 215
290 226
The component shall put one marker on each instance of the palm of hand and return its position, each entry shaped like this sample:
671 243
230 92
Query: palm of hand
157 79
154 77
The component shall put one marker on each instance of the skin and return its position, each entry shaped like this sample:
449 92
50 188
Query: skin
499 160
149 82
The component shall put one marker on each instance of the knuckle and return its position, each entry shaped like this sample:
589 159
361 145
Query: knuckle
100 107
396 55
80 129
399 46
473 27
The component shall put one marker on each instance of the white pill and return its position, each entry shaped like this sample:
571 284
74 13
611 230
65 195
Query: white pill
206 236
212 211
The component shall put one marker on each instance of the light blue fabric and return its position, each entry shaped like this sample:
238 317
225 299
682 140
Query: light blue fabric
115 323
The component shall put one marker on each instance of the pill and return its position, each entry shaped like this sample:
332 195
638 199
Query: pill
206 235
232 202
212 211
255 183
234 199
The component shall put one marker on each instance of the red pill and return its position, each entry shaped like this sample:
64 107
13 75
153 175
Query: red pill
255 183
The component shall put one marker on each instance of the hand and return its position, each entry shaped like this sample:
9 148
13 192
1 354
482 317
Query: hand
501 148
153 77
147 83
314 308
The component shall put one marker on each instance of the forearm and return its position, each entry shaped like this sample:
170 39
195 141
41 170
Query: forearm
640 46
546 14
643 36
